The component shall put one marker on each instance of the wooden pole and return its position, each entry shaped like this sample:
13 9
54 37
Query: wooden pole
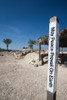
53 58
39 52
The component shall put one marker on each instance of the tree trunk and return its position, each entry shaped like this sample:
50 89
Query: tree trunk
32 46
62 50
39 52
7 47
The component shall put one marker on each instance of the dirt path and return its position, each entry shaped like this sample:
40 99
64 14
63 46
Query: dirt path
21 81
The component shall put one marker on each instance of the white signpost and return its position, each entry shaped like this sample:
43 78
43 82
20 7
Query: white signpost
53 58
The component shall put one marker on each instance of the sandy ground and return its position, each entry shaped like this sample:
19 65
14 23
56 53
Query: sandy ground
20 80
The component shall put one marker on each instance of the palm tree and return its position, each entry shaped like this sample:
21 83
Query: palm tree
7 42
30 46
31 43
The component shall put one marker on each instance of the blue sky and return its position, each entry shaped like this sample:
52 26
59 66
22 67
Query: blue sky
22 20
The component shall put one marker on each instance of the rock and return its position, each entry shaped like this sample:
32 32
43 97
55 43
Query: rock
36 62
59 60
18 55
26 51
1 55
40 63
36 65
32 62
